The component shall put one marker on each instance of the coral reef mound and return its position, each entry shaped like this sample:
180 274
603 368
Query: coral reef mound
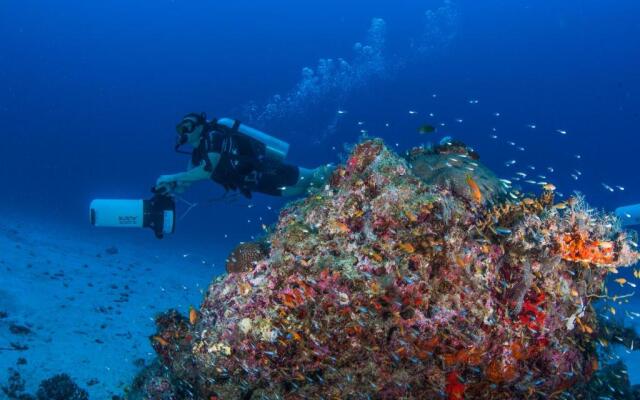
385 285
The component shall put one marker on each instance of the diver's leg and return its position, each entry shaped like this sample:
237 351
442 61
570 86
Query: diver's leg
309 178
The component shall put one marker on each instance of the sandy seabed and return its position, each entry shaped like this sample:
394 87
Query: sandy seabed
89 313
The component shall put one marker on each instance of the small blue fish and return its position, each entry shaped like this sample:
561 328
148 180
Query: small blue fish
503 231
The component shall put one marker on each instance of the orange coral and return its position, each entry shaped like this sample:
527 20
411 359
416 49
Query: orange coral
518 352
498 371
295 297
576 247
472 356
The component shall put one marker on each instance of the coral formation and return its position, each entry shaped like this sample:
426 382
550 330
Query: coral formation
15 387
455 166
60 387
156 383
392 282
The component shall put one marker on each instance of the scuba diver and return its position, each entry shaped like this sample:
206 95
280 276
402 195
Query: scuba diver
232 154
237 157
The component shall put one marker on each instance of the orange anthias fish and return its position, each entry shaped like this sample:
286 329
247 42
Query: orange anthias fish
161 340
342 227
193 315
620 281
475 189
407 247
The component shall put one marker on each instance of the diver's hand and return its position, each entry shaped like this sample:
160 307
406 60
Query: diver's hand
169 184
166 184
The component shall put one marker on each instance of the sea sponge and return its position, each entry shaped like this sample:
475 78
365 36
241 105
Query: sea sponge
455 166
244 257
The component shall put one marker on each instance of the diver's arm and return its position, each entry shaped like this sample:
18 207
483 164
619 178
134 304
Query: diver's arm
194 174
182 180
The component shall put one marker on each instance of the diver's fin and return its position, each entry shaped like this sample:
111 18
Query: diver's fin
629 215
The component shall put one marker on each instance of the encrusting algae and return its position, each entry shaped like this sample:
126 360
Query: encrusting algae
403 284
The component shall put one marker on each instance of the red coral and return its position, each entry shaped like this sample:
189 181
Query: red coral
532 315
363 155
454 388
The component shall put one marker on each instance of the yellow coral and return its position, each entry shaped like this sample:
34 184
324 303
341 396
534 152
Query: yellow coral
220 348
265 330
245 325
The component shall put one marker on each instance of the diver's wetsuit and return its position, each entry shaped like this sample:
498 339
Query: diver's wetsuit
243 163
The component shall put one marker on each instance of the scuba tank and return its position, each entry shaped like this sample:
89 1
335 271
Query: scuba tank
276 149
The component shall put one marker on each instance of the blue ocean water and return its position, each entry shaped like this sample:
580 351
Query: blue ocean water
91 93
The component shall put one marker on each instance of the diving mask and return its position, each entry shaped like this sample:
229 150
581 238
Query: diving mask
188 124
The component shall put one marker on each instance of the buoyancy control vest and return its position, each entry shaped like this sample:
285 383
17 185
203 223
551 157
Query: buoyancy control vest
243 152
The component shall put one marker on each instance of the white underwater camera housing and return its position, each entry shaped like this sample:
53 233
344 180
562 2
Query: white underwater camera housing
157 213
